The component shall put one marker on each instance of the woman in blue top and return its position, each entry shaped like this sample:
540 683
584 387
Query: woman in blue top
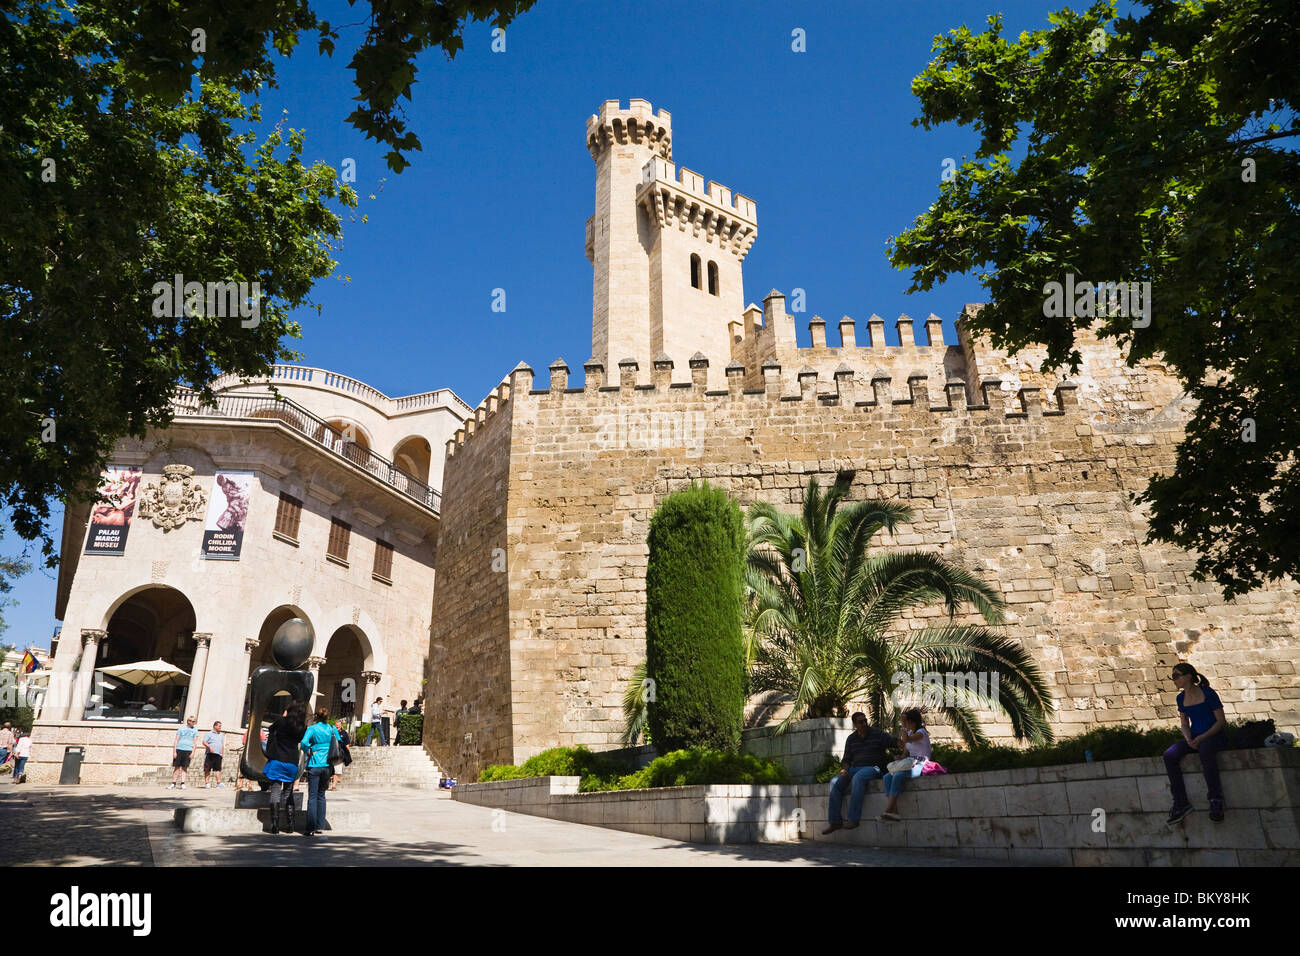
316 741
282 761
1201 713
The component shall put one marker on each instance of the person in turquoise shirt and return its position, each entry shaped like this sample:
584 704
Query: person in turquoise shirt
316 742
182 751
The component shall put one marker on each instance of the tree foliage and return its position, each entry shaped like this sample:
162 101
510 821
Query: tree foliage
1157 147
107 193
694 645
824 610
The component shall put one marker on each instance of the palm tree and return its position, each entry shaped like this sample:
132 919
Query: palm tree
823 621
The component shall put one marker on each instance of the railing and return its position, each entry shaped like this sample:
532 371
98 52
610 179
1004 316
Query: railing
243 405
323 378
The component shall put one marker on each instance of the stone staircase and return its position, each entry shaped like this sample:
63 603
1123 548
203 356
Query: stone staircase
373 768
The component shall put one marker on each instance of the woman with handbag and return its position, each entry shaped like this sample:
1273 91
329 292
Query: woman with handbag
916 740
342 727
282 762
324 749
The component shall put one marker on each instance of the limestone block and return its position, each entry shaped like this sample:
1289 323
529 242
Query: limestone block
929 833
978 802
1069 830
999 831
1036 799
1118 794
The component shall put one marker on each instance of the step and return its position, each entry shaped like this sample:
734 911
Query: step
230 820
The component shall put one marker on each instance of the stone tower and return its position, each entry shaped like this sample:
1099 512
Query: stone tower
665 246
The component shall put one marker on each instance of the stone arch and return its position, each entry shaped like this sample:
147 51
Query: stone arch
413 455
374 656
714 288
695 270
353 432
340 683
149 622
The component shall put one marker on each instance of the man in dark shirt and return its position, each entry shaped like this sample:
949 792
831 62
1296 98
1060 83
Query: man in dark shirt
865 755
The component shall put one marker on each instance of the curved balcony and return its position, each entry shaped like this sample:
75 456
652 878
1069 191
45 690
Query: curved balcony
254 407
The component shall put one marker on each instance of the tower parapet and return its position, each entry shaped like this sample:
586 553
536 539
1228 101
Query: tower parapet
681 197
637 123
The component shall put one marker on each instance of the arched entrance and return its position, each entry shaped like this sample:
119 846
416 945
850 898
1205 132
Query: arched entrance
155 623
340 683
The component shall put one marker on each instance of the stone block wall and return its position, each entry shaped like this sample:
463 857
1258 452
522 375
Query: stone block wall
468 697
1024 487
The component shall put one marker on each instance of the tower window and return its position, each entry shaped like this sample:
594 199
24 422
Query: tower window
695 271
713 278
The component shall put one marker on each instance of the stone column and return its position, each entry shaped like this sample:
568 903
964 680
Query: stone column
90 639
194 699
314 665
372 679
250 645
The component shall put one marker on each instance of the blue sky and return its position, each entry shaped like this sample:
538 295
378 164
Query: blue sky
498 198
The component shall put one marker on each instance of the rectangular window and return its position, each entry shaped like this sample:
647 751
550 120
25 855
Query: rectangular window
287 516
383 560
340 534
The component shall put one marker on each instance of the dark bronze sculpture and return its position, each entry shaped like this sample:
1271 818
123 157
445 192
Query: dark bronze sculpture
290 647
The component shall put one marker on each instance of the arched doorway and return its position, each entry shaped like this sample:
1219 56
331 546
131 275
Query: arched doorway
155 623
340 683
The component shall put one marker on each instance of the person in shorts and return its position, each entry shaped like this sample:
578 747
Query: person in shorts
182 751
214 746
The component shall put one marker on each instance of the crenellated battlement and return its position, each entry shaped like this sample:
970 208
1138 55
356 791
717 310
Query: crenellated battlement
682 198
636 123
989 399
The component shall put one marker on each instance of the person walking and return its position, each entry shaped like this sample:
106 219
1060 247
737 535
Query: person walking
282 761
182 751
916 741
316 742
214 745
344 741
1200 713
397 724
22 750
377 722
6 742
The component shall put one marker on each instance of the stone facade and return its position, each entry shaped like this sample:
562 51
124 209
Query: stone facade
1011 472
161 598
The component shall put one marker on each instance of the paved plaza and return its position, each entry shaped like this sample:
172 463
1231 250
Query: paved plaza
130 826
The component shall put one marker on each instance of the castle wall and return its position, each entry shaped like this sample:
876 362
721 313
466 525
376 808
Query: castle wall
468 694
1022 488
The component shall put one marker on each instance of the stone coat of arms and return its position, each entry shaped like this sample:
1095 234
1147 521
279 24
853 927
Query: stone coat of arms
175 500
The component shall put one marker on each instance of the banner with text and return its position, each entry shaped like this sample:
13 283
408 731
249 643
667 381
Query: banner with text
223 532
110 520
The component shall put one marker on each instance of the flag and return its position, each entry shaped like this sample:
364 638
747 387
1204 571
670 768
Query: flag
30 663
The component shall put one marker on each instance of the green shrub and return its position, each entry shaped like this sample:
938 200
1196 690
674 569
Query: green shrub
361 736
596 770
1106 743
678 769
829 769
18 717
694 641
410 729
684 768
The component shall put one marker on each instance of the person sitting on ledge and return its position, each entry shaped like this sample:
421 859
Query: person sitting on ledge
916 740
865 754
1201 715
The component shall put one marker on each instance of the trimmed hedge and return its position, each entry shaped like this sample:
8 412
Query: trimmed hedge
694 641
410 729
678 769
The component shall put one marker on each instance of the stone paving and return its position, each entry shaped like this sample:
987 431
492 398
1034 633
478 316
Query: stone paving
87 826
